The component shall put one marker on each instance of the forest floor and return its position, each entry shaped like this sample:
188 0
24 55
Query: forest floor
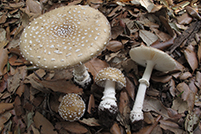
29 96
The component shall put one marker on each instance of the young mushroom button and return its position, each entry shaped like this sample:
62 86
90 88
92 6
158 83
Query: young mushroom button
151 58
72 107
111 79
66 37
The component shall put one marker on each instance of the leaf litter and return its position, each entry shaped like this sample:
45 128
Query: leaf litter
29 97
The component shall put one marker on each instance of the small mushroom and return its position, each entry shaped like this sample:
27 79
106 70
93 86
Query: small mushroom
111 79
72 107
151 58
66 37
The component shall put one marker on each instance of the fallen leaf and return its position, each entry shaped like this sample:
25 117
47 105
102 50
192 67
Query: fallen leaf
5 106
184 19
115 129
145 3
3 59
114 46
4 118
34 6
187 94
151 104
192 120
63 85
73 127
191 57
168 125
148 37
179 105
130 88
91 104
43 124
95 65
90 122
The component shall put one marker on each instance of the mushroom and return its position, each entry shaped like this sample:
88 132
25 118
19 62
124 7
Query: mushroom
111 79
66 37
72 107
151 58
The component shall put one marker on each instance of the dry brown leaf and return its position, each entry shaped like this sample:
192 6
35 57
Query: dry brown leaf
179 105
4 118
151 104
145 3
5 106
95 65
73 127
124 104
3 59
116 31
191 57
185 75
114 46
148 37
60 85
90 122
184 19
15 80
162 79
130 88
34 6
187 94
115 129
168 125
43 124
91 103
199 52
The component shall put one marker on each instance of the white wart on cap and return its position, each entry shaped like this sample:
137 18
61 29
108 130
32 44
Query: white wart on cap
65 37
72 107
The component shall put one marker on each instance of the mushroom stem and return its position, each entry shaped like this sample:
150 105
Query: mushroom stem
108 98
136 113
81 75
109 91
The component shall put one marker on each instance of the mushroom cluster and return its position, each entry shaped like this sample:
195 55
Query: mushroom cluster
72 107
151 58
111 79
66 37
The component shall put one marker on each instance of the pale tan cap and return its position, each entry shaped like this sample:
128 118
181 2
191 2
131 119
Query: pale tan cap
163 62
112 74
65 37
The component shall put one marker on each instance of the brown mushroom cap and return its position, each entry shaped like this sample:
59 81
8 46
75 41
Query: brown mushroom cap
163 62
112 74
72 107
65 36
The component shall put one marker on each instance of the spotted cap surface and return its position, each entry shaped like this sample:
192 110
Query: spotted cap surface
112 74
65 36
72 107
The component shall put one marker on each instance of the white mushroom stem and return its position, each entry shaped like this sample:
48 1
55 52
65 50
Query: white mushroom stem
81 75
108 98
136 113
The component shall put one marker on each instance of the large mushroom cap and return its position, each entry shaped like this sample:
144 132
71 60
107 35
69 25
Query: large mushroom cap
72 107
163 62
112 74
65 37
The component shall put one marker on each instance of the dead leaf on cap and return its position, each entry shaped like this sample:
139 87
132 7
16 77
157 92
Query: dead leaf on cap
3 59
73 127
43 124
148 37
